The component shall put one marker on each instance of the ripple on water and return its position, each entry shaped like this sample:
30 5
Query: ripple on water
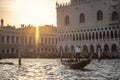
36 69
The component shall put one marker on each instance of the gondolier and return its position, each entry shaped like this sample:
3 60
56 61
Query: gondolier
78 64
77 52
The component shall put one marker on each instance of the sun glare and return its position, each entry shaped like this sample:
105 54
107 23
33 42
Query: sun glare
37 35
35 12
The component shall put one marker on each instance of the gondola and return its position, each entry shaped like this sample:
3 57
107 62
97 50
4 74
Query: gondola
73 64
76 64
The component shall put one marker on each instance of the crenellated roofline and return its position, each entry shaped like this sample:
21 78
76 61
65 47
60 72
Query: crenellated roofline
72 2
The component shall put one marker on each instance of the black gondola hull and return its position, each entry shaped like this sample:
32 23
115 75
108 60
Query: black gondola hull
76 65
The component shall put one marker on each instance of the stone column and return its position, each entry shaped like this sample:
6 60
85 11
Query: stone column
95 48
88 48
102 48
88 36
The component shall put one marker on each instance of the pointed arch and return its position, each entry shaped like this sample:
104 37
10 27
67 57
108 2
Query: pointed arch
106 48
66 49
82 18
72 49
114 48
114 16
89 36
86 36
62 37
112 35
115 33
83 36
79 36
93 37
67 20
99 48
70 36
104 35
76 36
67 37
91 49
96 35
107 34
119 33
73 37
99 15
85 49
100 35
60 49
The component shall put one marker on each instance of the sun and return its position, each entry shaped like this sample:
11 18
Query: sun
34 12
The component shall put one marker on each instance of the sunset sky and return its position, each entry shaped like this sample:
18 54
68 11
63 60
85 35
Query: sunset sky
34 12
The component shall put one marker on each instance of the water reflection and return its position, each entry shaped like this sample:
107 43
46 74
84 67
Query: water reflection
51 69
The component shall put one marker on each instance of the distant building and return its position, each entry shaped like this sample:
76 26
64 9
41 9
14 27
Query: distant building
23 40
47 40
91 24
28 40
10 41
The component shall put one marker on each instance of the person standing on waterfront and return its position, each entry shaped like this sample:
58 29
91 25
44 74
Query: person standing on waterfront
77 52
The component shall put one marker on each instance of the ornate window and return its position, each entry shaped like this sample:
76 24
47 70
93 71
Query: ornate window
114 16
99 15
67 20
82 18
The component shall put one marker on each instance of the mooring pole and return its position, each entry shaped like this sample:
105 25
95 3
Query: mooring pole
21 49
19 58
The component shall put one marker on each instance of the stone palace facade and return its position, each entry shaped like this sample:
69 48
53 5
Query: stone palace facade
94 25
23 40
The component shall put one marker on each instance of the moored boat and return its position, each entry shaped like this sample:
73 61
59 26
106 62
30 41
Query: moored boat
9 63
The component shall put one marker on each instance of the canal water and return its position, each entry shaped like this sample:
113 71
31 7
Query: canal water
51 69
